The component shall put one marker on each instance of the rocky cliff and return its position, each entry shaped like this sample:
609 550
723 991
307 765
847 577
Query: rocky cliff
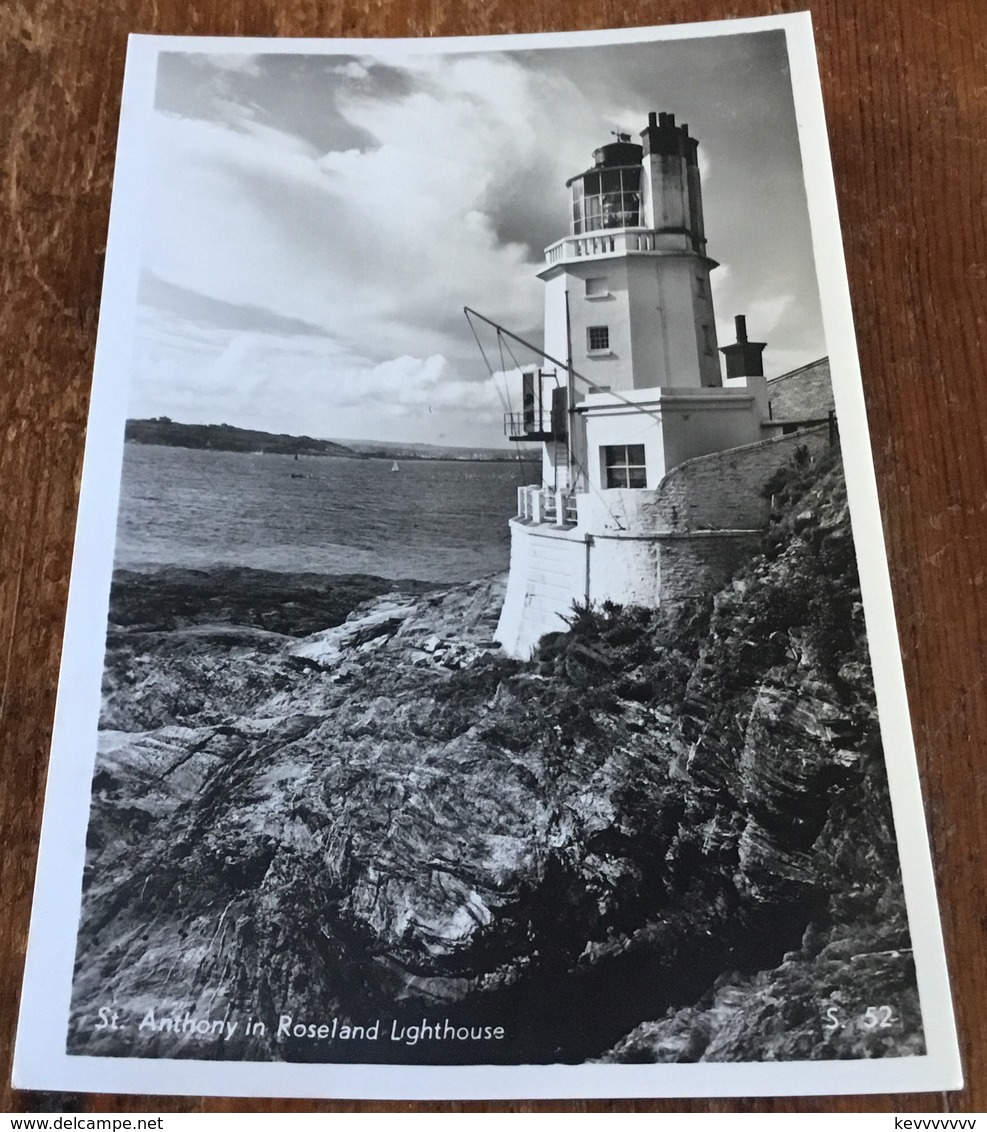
656 841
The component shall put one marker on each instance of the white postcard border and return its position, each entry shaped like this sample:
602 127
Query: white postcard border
41 1061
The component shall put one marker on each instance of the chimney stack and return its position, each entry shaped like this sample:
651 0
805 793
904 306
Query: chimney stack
743 357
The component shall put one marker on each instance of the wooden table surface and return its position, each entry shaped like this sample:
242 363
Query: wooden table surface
905 87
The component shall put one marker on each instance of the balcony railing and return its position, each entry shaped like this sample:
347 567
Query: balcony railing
618 242
528 426
545 505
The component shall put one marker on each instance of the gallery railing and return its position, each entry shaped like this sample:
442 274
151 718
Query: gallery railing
617 242
546 505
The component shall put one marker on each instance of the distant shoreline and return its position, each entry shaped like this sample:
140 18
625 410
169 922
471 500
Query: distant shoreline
163 432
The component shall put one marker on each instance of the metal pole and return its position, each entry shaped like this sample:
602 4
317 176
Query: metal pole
517 338
569 397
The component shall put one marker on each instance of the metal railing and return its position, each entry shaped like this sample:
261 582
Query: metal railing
537 426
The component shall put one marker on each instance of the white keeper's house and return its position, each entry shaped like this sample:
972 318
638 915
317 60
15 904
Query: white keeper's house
653 464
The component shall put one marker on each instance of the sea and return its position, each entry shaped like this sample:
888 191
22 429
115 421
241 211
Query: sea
432 520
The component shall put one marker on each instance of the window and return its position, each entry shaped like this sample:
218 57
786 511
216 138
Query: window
597 338
625 465
606 198
596 287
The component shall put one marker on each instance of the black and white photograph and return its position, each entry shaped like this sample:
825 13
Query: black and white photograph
487 678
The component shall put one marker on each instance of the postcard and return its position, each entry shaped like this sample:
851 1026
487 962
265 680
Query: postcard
480 677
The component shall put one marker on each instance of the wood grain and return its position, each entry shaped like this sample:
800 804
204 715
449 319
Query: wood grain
905 86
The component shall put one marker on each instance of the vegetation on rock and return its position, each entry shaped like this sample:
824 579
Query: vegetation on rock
667 838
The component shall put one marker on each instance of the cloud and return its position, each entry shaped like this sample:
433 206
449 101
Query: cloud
764 314
351 70
326 219
233 61
382 246
305 383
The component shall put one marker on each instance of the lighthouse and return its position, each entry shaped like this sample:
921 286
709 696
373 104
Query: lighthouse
638 400
627 293
628 305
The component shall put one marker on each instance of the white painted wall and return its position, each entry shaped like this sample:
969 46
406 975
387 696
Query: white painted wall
618 510
608 421
694 426
613 369
757 386
552 568
548 573
624 571
671 304
555 328
665 191
659 313
673 425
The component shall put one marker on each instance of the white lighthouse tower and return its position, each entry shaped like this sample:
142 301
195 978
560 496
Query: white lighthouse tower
628 306
628 289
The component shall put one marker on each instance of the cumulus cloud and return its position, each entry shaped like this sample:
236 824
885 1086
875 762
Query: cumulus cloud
351 70
306 383
381 246
332 262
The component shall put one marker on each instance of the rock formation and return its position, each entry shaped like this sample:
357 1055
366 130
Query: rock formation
658 840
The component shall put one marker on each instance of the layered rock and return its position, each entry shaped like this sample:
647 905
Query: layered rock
676 832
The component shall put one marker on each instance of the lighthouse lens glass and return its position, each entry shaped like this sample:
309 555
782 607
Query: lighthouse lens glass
593 213
610 181
612 199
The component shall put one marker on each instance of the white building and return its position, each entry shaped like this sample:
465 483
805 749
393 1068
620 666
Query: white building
651 461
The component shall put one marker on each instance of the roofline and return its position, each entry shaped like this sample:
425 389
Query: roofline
801 369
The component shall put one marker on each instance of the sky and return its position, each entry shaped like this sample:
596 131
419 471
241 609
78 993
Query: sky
315 224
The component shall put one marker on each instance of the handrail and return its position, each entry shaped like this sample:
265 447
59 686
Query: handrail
614 241
547 505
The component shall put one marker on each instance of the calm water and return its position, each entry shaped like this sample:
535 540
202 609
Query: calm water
436 520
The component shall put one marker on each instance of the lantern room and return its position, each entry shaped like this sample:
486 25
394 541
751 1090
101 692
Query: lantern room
609 194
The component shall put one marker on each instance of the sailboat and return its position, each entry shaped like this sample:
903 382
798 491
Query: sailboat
394 467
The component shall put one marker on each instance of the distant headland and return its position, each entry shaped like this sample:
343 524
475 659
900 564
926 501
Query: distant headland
229 438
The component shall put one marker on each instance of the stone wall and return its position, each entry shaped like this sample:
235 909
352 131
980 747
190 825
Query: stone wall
710 512
692 565
804 394
682 540
722 491
623 570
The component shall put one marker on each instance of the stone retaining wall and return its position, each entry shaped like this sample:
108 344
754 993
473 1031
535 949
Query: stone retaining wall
685 539
722 491
803 394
